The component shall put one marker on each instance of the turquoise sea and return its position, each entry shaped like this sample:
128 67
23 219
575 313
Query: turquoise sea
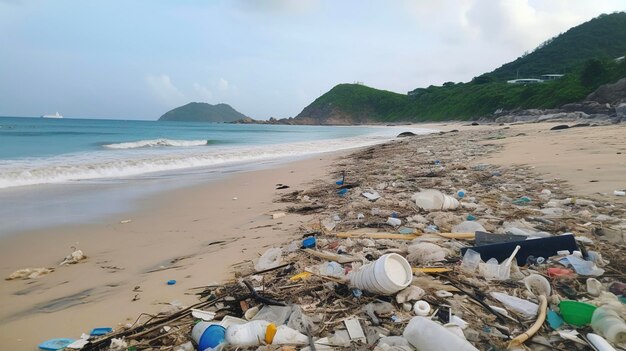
52 168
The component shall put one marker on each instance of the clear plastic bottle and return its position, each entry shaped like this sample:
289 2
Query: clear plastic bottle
607 322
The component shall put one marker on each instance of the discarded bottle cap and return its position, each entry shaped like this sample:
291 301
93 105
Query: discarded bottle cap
171 282
421 308
308 242
212 336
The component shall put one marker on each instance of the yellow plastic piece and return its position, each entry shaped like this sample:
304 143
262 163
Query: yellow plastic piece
269 333
299 276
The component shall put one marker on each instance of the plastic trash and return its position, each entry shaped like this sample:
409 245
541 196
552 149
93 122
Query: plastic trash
273 314
538 285
171 282
300 321
594 287
583 267
248 334
470 261
468 227
607 322
421 308
434 200
491 270
526 308
461 193
270 259
55 344
411 293
372 196
394 343
556 272
394 221
387 275
543 247
208 335
576 313
331 269
100 331
308 242
288 336
425 253
554 319
426 335
599 342
619 193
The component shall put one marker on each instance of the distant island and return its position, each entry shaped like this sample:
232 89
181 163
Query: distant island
203 112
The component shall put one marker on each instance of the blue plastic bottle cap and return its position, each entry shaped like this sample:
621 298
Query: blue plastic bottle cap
213 335
308 242
171 282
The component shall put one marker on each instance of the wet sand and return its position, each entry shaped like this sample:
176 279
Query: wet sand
194 235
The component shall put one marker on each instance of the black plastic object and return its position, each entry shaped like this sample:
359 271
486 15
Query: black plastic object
543 247
484 238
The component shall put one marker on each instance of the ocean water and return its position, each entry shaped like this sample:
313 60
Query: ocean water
51 167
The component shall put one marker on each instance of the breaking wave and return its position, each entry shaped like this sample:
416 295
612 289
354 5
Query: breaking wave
156 143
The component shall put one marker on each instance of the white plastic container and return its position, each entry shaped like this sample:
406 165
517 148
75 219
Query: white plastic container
287 336
434 200
421 308
426 335
599 343
249 334
607 322
387 275
538 285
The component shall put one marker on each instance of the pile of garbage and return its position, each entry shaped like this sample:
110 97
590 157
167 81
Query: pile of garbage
414 247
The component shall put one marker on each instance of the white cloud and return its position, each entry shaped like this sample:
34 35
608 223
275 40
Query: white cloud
223 84
202 93
164 90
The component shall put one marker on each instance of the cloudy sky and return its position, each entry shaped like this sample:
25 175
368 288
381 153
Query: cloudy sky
138 59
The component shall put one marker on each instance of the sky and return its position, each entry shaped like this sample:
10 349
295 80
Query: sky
266 58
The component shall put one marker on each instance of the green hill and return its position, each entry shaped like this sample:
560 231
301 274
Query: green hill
601 38
203 112
585 54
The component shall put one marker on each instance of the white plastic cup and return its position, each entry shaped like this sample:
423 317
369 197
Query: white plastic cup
387 275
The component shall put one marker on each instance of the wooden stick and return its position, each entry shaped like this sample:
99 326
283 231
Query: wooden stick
329 256
377 235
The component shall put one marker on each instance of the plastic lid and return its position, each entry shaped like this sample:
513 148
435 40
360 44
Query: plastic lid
395 267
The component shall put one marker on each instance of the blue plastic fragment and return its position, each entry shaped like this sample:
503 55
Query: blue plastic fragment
470 217
357 292
55 344
554 319
171 282
308 242
100 331
342 192
339 182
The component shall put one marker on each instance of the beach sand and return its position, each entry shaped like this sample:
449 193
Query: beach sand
192 235
199 232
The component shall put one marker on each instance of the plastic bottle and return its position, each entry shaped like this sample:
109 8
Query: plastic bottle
249 334
607 322
426 335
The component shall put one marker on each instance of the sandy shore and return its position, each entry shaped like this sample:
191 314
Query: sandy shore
194 235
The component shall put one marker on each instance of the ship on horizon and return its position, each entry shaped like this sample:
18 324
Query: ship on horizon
56 115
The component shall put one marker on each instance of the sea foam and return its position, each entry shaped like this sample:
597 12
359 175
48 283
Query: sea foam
134 160
156 143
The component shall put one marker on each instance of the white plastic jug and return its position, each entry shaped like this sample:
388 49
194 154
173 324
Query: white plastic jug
426 335
249 334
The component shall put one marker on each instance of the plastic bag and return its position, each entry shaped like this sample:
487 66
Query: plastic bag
270 259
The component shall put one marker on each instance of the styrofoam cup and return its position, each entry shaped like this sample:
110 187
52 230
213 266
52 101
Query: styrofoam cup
387 275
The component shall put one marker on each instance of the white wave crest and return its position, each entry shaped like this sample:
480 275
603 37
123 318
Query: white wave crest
155 143
124 163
